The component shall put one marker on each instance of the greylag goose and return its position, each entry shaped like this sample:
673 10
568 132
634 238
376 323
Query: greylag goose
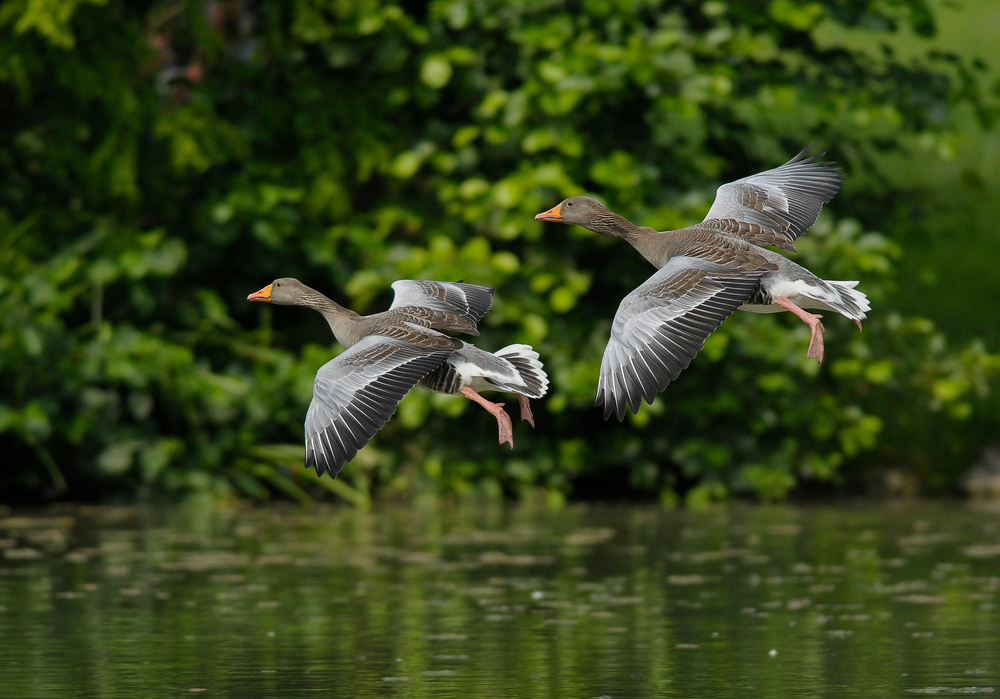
709 270
388 353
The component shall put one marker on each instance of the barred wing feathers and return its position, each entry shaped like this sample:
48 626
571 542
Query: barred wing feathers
776 206
663 324
357 392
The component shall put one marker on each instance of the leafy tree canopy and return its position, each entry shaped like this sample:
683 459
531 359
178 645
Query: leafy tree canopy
159 161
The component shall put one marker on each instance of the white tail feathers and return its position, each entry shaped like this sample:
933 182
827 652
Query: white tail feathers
855 303
525 361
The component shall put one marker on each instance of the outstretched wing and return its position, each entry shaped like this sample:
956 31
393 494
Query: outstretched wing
467 301
663 324
356 393
776 206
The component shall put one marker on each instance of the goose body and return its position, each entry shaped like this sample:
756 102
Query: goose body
388 353
709 270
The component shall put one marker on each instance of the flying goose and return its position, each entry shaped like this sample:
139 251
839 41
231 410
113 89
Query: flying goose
709 270
388 353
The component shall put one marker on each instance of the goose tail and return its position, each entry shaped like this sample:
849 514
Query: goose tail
525 361
853 303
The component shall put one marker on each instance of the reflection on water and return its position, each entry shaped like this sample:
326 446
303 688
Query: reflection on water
493 601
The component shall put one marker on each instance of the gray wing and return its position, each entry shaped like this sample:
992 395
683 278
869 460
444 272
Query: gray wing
662 325
784 202
356 393
468 301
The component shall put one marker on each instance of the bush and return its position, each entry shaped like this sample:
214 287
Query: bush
162 161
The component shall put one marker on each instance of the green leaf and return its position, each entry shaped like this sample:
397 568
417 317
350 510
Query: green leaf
435 71
51 19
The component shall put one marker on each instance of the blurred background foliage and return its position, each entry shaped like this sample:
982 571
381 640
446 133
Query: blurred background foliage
161 160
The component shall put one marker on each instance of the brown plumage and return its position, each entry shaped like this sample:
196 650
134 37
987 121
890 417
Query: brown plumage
709 270
388 353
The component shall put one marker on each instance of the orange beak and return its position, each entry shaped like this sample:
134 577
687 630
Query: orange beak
550 215
262 295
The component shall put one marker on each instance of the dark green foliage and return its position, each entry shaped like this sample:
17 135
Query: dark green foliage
158 163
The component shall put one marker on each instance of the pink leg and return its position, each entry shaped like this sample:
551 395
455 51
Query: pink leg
525 409
815 350
858 323
497 411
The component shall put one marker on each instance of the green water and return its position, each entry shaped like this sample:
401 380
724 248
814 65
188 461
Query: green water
493 601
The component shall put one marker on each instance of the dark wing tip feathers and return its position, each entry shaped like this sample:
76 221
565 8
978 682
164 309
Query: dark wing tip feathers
801 159
476 301
617 407
479 298
801 156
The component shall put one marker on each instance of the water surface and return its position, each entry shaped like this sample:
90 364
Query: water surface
500 601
